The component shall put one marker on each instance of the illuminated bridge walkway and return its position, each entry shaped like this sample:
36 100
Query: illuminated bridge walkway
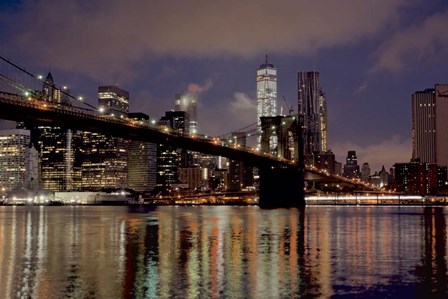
29 109
19 101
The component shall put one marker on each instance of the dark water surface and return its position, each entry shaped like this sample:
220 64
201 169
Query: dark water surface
223 252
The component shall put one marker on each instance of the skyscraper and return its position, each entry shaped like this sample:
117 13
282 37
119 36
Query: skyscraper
54 145
323 121
266 94
365 172
188 102
113 100
104 157
312 108
142 155
14 153
104 161
56 155
53 94
168 158
423 126
351 167
430 125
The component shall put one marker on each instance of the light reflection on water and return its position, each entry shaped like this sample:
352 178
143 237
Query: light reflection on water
223 252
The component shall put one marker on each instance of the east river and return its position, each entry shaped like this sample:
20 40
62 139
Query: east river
223 252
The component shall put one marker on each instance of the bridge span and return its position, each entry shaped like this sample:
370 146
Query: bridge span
281 179
27 109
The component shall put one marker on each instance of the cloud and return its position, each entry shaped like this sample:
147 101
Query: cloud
361 88
198 89
242 108
388 152
106 38
242 101
417 43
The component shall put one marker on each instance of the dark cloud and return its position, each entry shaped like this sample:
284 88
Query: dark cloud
107 38
418 43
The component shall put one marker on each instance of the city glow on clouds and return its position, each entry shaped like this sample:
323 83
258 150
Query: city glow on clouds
243 107
198 89
419 42
128 33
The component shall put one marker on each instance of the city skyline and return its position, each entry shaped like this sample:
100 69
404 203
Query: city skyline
370 63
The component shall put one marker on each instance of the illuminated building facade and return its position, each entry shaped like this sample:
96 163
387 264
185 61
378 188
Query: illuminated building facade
104 162
113 100
14 155
351 167
312 107
188 102
323 121
195 177
266 96
53 94
56 147
104 157
429 125
58 169
141 160
240 175
169 159
325 161
417 177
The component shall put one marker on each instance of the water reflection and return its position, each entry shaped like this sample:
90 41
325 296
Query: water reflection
433 269
222 252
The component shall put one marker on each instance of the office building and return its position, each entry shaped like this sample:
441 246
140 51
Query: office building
351 167
430 125
379 180
323 121
418 177
325 161
312 107
57 165
240 175
142 172
169 158
365 172
113 100
188 102
103 162
195 177
55 146
266 96
104 157
14 159
53 94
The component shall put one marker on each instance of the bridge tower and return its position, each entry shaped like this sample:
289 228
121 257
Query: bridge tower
282 186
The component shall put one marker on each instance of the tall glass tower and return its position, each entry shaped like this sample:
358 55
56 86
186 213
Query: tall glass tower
188 102
312 107
429 125
323 121
266 94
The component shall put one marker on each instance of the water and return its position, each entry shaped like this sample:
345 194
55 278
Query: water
223 252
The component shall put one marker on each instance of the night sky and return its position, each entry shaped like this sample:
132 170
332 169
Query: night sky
371 55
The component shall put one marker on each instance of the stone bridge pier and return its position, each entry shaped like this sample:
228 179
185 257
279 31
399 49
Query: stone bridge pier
282 186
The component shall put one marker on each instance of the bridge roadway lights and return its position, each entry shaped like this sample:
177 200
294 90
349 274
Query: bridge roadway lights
281 187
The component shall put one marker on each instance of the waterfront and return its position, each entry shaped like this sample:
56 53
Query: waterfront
223 252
